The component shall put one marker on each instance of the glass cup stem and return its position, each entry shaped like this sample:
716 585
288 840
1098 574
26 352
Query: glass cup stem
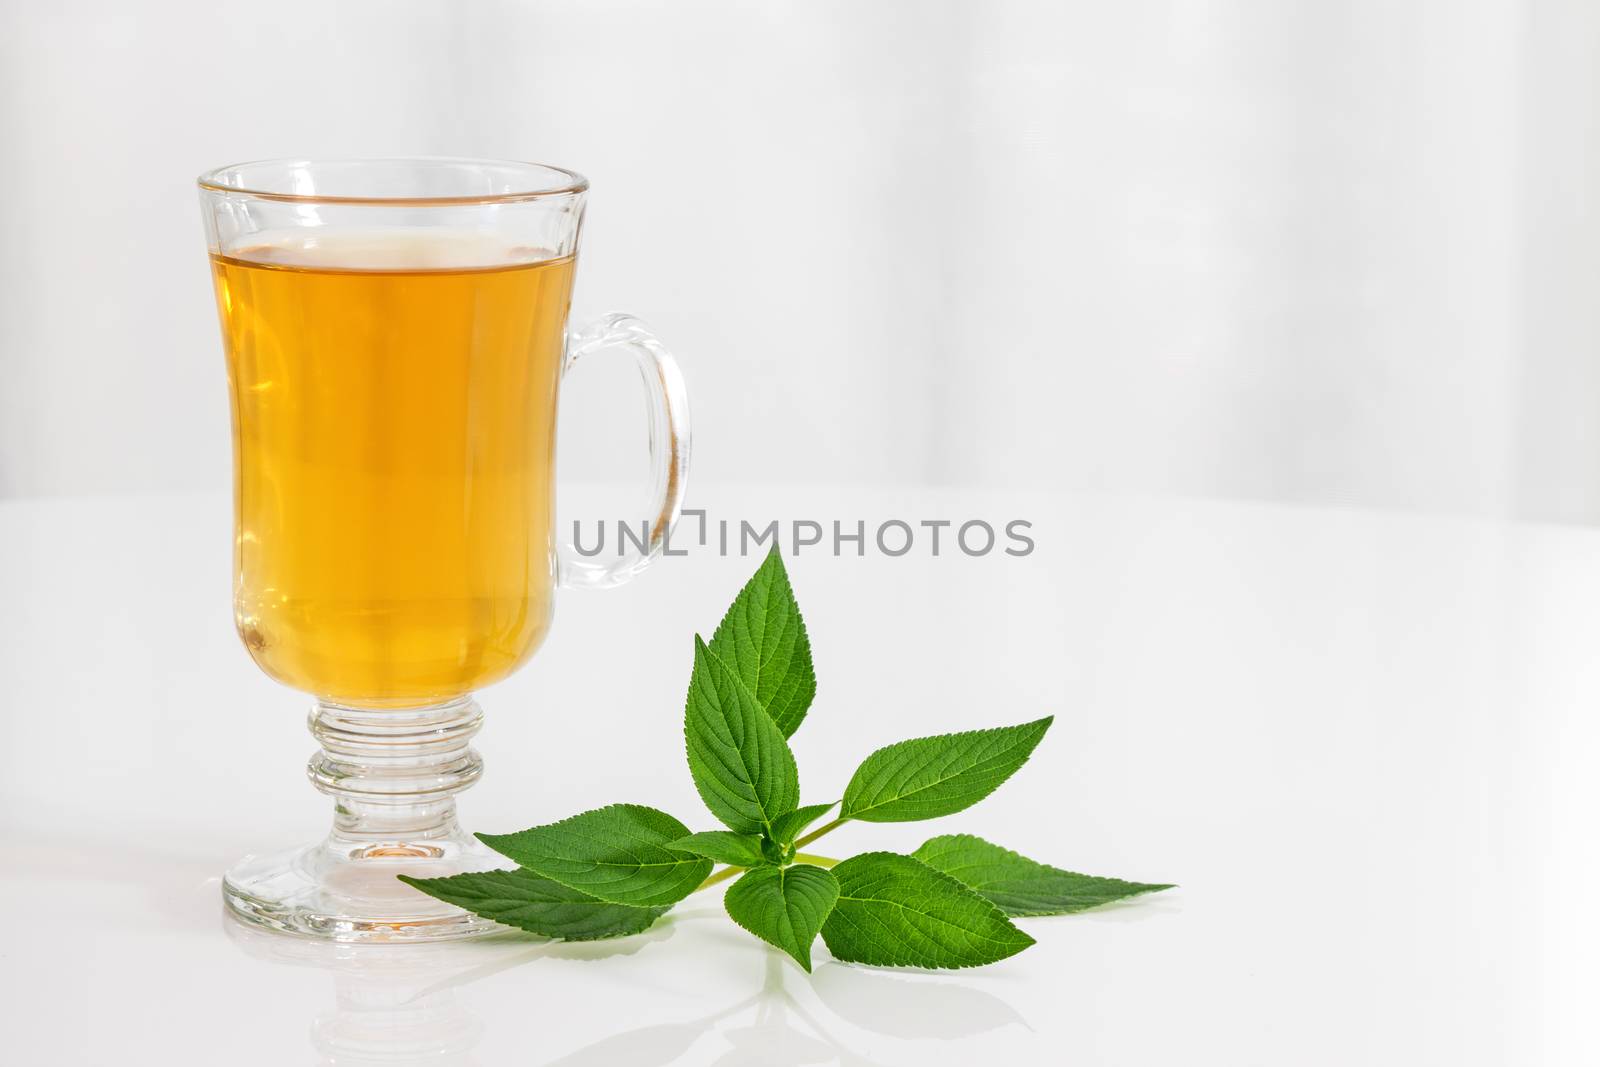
393 775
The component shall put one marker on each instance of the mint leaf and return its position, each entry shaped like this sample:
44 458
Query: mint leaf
1018 885
722 846
533 903
763 639
895 911
784 906
738 757
616 853
932 776
615 870
788 827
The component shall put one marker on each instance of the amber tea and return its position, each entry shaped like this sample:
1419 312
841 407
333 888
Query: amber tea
394 401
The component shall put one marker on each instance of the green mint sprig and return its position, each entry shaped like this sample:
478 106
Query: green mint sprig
614 871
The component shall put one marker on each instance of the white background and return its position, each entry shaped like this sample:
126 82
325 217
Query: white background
1307 251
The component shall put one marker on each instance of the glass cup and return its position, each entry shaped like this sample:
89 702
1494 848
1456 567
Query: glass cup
396 335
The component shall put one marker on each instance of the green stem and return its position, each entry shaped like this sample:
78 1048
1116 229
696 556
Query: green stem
825 828
821 861
721 876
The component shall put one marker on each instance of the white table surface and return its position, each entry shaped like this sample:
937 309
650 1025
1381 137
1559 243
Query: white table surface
1364 744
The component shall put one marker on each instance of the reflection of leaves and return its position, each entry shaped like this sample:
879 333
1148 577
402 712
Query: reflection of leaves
772 1040
541 950
605 950
847 1058
785 1034
648 1046
906 1007
773 1044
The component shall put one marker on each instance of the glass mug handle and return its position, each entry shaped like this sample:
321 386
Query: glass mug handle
668 413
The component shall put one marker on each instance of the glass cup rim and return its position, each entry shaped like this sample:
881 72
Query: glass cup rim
571 182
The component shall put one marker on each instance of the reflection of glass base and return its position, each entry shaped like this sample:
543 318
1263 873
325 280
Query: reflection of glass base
394 776
352 894
389 1004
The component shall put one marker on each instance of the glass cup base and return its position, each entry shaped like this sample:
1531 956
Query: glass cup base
336 892
393 776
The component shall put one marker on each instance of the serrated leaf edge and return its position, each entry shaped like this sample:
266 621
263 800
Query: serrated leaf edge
1142 888
783 873
856 815
489 839
767 819
1028 940
654 911
788 719
678 846
799 830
